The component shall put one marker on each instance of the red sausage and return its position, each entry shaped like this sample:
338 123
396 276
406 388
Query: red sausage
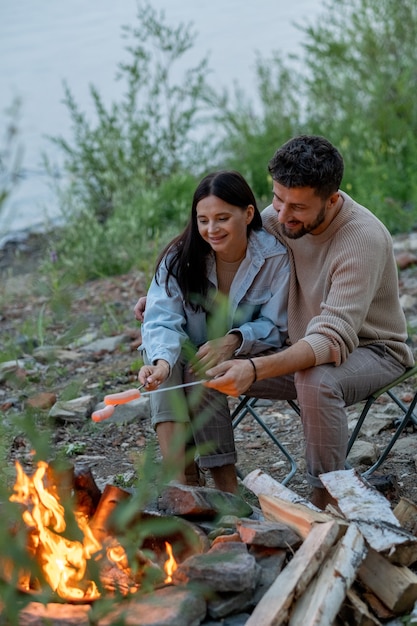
122 397
102 414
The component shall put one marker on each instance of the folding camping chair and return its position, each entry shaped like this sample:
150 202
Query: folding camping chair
247 406
407 416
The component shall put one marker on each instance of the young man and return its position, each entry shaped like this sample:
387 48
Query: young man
347 330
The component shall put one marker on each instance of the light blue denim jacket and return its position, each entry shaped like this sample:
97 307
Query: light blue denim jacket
257 305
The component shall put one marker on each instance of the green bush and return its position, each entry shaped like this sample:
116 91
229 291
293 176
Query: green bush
132 170
140 223
360 85
150 135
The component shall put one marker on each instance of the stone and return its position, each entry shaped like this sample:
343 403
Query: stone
170 606
107 344
408 302
76 410
179 499
362 453
268 534
375 423
43 400
10 368
405 259
226 603
271 562
225 567
36 613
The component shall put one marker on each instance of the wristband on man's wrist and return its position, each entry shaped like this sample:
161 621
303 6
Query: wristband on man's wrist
254 370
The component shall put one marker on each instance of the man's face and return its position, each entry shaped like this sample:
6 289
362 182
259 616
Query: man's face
301 211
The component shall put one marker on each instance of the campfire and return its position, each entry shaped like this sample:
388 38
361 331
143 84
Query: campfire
67 563
286 563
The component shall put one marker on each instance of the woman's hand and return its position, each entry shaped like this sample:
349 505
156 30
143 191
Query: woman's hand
153 375
232 378
139 309
214 352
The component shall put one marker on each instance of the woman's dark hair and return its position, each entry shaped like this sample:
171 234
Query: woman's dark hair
188 252
308 161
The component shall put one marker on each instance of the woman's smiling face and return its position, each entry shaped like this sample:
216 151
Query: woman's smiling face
224 227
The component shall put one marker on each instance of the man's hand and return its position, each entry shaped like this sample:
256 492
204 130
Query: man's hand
232 378
214 352
139 309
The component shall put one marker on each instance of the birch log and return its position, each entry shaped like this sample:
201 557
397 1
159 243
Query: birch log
273 608
325 595
368 508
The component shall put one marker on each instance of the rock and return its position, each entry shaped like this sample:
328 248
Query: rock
362 453
10 368
84 340
271 562
108 344
225 567
386 484
374 423
36 613
405 259
179 499
408 303
76 410
268 534
170 606
48 354
43 400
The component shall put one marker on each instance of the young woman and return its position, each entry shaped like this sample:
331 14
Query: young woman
219 290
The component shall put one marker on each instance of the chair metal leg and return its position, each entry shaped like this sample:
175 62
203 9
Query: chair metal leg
245 406
408 417
407 411
403 406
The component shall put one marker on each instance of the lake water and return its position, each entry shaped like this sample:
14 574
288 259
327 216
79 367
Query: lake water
44 42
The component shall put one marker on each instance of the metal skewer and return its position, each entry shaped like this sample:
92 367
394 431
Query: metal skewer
146 393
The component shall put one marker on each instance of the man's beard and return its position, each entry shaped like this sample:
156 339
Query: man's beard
304 230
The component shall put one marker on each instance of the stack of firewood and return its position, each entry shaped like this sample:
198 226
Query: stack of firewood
354 566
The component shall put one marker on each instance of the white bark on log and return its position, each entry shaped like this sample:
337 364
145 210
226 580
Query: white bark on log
325 595
372 512
356 499
273 608
263 484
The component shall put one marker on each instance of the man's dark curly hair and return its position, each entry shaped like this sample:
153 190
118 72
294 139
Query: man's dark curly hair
308 161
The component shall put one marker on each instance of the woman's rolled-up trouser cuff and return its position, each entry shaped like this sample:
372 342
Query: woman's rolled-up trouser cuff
161 418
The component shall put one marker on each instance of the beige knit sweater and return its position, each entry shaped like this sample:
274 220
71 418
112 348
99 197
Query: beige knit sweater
344 286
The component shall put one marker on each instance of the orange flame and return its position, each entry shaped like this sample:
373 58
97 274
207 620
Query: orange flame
63 561
170 564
